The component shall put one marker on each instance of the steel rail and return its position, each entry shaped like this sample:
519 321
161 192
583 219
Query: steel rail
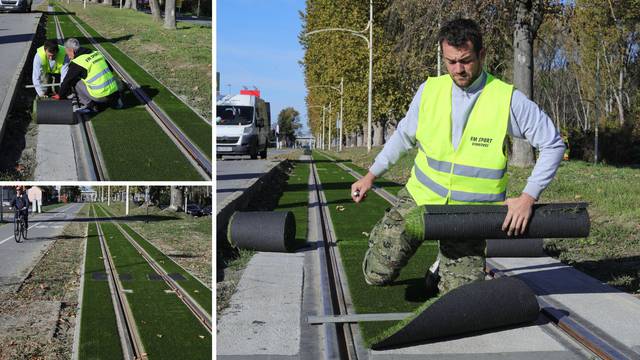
345 337
132 346
201 314
193 153
603 346
92 167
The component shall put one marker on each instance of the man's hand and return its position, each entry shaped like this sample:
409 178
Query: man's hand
359 188
518 214
55 97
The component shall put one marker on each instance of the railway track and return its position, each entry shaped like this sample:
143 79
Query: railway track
89 163
198 311
130 337
194 154
594 341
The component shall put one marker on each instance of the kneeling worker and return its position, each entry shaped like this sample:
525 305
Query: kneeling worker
90 76
49 65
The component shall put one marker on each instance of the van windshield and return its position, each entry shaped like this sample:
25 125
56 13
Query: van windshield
234 115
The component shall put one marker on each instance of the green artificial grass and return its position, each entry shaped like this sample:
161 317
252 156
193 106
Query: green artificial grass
295 198
353 223
200 293
391 186
167 328
133 146
51 28
200 132
98 329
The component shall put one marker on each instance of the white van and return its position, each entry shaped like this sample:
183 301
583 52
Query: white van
242 126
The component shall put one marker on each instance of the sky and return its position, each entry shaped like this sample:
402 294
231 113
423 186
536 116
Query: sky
257 45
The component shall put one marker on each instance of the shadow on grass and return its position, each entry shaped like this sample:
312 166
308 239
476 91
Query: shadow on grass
150 218
84 41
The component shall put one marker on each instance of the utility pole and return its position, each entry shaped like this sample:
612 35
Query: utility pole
341 120
109 195
126 211
595 158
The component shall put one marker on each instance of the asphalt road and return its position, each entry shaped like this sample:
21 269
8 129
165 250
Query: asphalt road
18 259
235 174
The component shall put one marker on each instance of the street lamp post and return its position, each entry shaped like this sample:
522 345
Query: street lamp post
369 41
340 90
323 110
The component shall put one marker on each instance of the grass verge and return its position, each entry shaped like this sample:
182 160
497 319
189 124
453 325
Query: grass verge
133 145
167 328
200 293
200 132
353 223
98 330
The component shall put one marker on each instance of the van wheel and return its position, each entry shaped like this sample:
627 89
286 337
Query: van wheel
263 154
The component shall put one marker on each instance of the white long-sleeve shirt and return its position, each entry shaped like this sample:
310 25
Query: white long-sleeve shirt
526 121
36 73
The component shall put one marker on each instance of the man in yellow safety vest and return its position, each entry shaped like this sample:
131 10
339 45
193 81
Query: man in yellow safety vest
91 78
49 66
459 123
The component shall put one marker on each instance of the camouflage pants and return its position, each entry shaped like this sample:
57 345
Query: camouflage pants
390 248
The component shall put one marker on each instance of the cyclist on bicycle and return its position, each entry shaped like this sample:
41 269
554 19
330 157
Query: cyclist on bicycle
21 205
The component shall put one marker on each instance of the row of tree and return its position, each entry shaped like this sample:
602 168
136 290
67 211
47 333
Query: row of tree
154 5
174 196
577 59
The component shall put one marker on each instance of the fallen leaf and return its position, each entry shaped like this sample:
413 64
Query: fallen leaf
159 335
365 233
340 208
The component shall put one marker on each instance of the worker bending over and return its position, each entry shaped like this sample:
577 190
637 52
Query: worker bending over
50 65
459 122
90 76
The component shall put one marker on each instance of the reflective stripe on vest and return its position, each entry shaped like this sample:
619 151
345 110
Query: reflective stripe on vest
44 60
100 81
476 171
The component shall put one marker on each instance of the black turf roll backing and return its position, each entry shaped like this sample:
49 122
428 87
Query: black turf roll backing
273 231
54 112
478 306
462 222
515 248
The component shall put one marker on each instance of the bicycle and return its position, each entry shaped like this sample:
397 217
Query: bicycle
19 227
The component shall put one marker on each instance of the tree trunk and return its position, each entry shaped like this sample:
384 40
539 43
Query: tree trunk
106 3
127 4
134 5
155 10
528 18
177 198
359 138
378 133
170 14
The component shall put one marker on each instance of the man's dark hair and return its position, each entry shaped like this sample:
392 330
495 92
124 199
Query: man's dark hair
458 31
51 46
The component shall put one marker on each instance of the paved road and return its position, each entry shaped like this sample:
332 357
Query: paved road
18 259
16 32
235 174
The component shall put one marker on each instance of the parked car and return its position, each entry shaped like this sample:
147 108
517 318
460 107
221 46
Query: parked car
206 211
194 210
16 5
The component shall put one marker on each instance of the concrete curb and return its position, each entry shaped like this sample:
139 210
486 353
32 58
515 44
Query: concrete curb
239 200
9 98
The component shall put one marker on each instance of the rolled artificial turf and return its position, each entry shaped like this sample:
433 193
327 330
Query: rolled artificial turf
133 145
167 328
273 231
353 223
98 329
197 130
477 306
200 293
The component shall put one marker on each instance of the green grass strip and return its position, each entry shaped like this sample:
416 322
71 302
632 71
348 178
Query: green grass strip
167 328
353 223
98 328
52 206
295 198
133 145
200 293
200 132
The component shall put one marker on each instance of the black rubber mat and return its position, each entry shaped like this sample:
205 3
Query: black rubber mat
478 306
154 277
177 277
99 276
54 112
273 231
462 222
515 248
125 277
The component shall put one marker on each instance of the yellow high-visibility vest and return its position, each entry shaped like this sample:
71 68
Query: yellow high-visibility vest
100 81
476 172
46 69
